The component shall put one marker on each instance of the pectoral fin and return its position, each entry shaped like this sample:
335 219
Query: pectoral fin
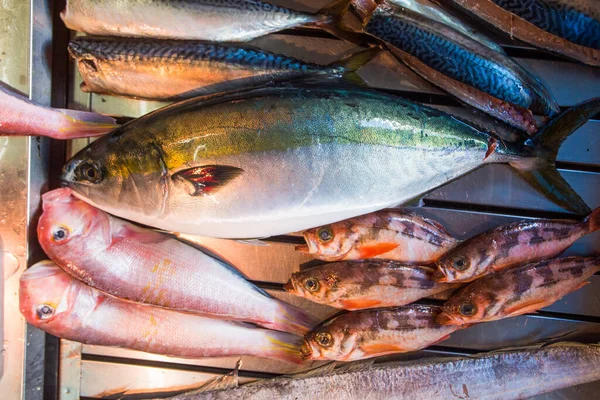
376 249
381 349
208 178
359 304
526 307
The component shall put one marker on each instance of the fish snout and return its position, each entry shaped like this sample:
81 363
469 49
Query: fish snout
290 287
306 350
439 275
445 319
302 248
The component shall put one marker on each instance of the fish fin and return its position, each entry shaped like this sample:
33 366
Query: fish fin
356 365
582 284
446 337
380 349
289 318
333 24
227 381
283 346
208 178
84 124
527 307
593 220
253 242
542 175
376 249
319 371
352 63
358 304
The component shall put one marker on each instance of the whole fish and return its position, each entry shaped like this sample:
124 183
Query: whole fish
219 21
510 245
480 76
149 267
570 28
387 234
516 373
355 285
280 162
53 301
370 333
518 291
21 116
171 69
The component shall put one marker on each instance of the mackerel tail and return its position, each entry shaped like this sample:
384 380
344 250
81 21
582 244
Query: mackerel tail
539 169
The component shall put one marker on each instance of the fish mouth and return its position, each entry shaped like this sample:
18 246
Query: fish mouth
289 286
302 248
439 276
306 350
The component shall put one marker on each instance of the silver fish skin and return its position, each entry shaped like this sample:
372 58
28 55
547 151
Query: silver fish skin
214 20
280 162
509 374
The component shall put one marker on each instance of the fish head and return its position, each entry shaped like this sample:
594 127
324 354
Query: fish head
45 294
89 67
330 341
465 308
120 170
464 264
316 284
329 242
69 229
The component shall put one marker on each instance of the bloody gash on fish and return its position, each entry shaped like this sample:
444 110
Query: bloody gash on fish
467 67
171 69
214 20
53 301
386 234
570 28
149 267
513 244
283 159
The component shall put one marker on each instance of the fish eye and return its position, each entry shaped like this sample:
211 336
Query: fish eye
325 234
44 311
468 309
60 234
312 284
460 264
324 339
90 172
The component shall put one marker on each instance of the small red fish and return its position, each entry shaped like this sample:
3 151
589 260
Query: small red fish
518 291
511 245
21 116
386 234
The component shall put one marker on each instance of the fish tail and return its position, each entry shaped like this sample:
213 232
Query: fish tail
352 63
333 23
283 346
542 174
593 220
289 318
83 124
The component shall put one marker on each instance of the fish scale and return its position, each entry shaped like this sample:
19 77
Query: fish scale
557 17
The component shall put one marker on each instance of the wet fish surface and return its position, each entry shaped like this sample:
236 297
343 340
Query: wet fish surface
503 375
513 244
280 163
176 69
355 285
149 267
53 301
569 28
370 333
386 234
213 20
21 116
480 76
518 291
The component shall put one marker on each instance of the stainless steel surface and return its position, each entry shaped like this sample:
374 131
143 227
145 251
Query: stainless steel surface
14 70
489 197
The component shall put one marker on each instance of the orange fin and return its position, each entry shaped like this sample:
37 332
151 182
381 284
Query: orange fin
377 249
382 349
441 339
582 284
527 307
359 304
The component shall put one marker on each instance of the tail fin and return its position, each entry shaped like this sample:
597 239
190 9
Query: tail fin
593 220
542 174
289 318
283 346
334 23
352 63
84 124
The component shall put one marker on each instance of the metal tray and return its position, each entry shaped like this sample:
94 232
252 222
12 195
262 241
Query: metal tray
33 59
